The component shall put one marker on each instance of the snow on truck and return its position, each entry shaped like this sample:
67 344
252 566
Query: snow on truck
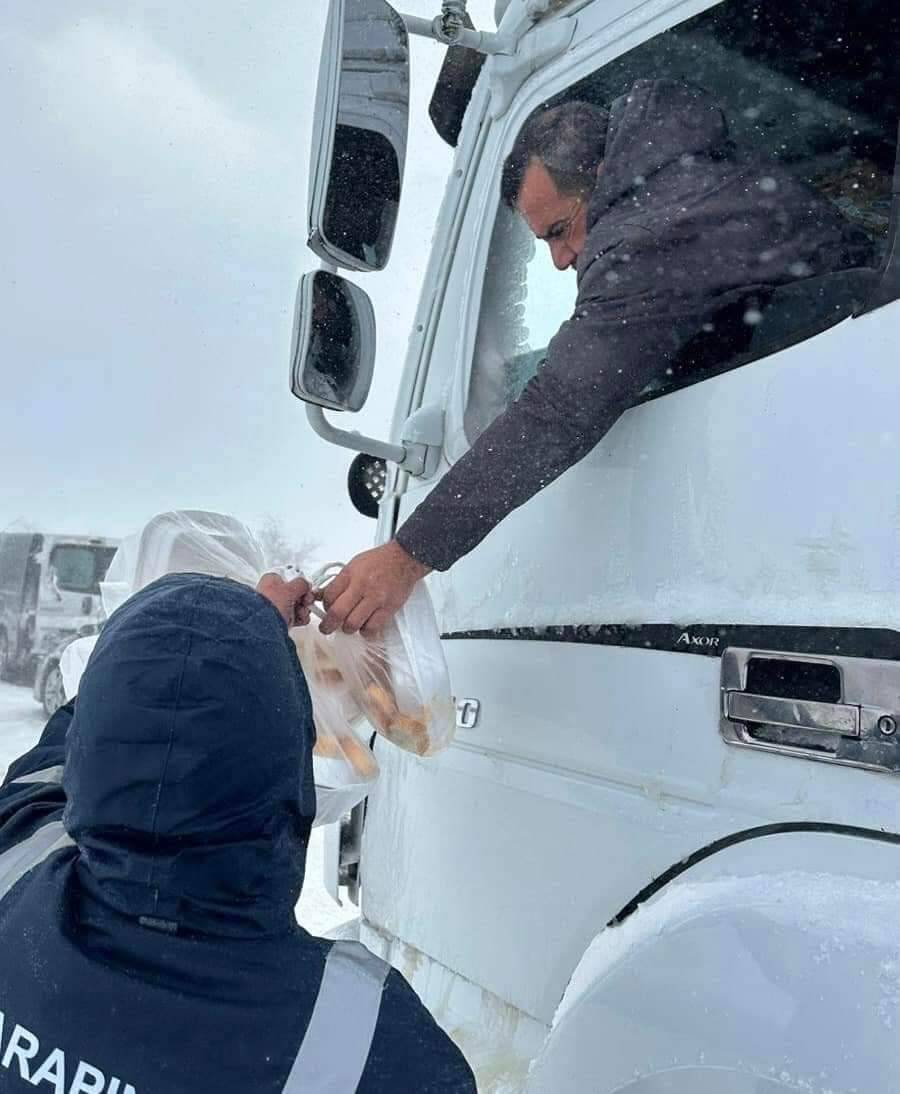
49 594
663 854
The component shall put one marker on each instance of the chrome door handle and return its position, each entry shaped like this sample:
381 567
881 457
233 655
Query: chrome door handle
859 728
806 714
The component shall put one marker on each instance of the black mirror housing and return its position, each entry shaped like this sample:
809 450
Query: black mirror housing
453 90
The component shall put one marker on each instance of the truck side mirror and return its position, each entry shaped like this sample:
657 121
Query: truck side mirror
359 142
454 88
332 362
333 346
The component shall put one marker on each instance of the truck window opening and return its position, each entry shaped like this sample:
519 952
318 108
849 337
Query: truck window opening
788 80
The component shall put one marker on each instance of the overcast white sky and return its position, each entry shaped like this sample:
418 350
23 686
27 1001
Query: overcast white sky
153 187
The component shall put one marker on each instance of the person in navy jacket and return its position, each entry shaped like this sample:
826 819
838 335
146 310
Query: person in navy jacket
152 850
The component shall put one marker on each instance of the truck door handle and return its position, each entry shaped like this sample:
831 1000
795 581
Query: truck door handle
843 710
805 714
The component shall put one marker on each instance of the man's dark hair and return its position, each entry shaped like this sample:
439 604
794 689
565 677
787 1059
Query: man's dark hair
569 139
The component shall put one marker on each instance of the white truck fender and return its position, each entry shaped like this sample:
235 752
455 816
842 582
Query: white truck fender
772 965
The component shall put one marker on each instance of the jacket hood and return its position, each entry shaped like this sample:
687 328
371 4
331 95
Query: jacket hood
658 122
189 761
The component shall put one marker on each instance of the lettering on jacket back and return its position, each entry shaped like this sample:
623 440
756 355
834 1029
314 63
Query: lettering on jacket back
21 1054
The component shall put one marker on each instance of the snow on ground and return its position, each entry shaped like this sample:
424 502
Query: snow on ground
316 911
21 722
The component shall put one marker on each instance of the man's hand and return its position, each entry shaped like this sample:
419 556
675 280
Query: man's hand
293 599
370 590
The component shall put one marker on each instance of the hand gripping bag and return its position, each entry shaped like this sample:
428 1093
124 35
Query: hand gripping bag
399 680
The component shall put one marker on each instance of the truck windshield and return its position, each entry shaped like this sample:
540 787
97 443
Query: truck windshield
80 568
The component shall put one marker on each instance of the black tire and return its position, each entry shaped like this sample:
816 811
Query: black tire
53 695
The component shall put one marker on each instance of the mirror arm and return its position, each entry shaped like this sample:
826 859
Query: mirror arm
418 456
406 458
481 41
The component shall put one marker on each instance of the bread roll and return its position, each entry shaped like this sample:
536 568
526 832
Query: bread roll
380 706
360 756
410 733
327 747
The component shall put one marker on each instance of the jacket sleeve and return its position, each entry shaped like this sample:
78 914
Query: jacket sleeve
410 1053
31 793
627 329
596 366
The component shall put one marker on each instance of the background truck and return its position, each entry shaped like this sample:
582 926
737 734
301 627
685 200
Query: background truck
662 856
49 593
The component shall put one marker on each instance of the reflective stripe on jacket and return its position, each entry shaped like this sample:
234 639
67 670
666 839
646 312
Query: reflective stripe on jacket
335 1047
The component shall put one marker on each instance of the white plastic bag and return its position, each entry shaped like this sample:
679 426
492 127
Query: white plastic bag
188 541
399 680
73 661
181 542
342 763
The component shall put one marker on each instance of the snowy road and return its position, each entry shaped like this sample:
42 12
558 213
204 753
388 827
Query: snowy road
21 722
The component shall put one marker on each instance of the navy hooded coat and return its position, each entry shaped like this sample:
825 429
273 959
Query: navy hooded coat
155 950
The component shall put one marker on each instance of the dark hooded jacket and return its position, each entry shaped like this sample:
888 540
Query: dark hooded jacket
158 953
680 232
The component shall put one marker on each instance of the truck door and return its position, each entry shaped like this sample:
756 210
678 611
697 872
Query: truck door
753 504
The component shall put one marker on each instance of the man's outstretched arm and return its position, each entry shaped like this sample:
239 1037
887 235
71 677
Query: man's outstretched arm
597 364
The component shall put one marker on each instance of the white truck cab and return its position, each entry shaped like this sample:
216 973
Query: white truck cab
49 593
663 854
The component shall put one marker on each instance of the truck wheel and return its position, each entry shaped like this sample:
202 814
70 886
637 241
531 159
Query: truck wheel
4 656
52 694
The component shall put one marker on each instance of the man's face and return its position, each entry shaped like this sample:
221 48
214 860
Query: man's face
560 220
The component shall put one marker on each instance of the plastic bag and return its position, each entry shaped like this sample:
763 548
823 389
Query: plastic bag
181 542
73 661
190 541
399 680
342 763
